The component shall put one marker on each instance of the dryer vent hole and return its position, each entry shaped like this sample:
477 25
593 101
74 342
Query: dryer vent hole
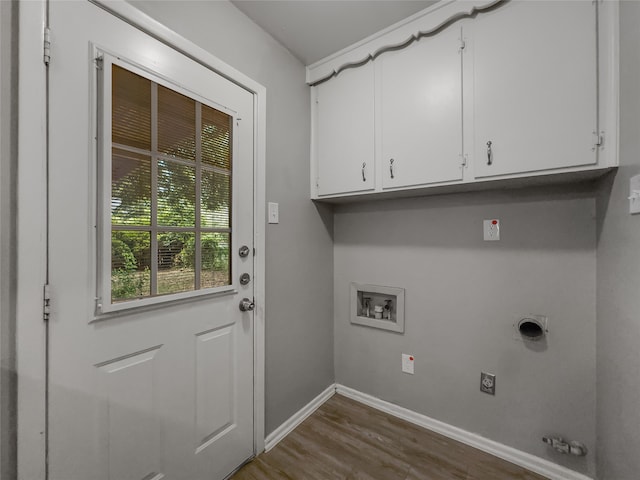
531 329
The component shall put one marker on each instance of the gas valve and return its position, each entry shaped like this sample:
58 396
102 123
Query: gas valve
560 445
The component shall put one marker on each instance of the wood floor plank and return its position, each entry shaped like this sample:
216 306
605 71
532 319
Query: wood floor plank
346 440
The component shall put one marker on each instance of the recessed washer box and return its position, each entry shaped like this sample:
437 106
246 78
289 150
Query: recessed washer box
377 306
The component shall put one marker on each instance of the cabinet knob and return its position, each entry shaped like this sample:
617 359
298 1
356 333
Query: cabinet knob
489 153
391 167
364 178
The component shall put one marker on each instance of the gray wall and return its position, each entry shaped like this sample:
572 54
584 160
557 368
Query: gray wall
8 116
618 384
8 155
463 296
299 329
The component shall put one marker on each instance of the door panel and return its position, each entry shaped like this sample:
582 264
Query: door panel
164 391
215 374
421 112
129 388
534 84
345 132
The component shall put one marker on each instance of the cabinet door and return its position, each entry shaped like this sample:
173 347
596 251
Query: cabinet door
421 112
534 92
344 132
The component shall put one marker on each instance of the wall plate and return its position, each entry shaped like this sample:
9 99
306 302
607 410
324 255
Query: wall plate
488 383
634 195
491 230
407 363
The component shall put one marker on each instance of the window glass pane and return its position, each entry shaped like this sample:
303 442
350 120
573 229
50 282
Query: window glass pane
176 272
154 180
176 124
216 138
215 205
130 188
131 111
130 261
216 261
176 194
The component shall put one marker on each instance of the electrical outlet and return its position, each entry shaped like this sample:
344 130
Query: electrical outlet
488 383
491 230
407 363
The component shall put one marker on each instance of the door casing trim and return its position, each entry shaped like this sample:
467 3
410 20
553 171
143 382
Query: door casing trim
31 222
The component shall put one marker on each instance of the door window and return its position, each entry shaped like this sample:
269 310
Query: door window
169 211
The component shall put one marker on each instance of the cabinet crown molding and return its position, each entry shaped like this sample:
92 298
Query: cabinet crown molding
399 35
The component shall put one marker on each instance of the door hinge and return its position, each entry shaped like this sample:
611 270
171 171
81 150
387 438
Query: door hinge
463 157
598 140
99 62
463 44
46 302
47 46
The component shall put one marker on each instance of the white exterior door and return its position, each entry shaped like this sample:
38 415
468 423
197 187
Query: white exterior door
157 383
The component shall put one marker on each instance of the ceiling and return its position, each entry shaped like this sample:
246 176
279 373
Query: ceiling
313 29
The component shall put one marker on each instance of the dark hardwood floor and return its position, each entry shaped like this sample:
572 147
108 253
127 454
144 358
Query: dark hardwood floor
345 440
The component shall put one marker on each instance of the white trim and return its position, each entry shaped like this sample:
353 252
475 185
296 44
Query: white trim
31 243
259 243
510 454
398 34
297 418
609 81
130 14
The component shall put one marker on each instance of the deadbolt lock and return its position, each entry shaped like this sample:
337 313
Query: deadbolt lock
244 251
245 278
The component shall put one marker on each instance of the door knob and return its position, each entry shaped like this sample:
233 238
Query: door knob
247 305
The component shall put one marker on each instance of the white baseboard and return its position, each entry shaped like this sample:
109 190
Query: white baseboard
510 454
287 427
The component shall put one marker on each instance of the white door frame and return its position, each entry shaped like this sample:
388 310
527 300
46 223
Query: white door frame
32 218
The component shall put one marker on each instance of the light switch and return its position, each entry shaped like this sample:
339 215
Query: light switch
274 216
491 229
634 195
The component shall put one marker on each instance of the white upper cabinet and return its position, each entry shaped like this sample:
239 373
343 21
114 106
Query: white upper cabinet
344 132
420 112
532 105
469 94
